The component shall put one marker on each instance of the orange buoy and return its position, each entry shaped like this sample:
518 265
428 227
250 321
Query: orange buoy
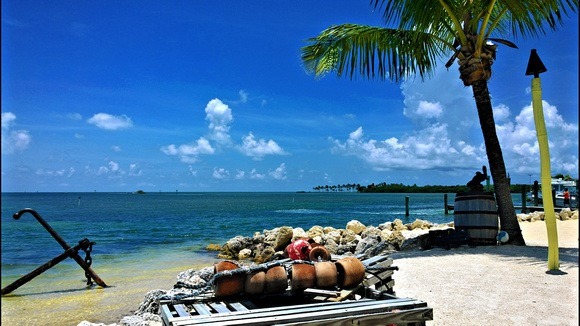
228 285
351 272
276 280
326 274
255 283
319 253
303 277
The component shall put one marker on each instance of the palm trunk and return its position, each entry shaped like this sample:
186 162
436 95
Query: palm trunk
501 183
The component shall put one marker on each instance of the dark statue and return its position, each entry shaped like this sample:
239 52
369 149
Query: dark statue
475 183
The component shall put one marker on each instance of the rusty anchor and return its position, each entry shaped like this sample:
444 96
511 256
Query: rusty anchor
71 252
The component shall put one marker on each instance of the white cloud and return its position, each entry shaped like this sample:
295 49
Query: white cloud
279 173
113 166
257 149
428 110
13 140
8 119
239 175
219 116
446 134
243 96
75 116
116 148
134 170
520 143
220 173
257 176
189 153
110 122
192 171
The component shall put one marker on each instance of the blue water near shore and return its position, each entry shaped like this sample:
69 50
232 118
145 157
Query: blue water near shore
146 233
122 223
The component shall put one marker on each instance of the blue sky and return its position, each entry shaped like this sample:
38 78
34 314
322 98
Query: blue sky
212 96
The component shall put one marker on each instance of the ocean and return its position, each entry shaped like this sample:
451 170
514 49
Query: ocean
142 241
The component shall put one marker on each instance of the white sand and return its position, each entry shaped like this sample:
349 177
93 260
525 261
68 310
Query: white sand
496 285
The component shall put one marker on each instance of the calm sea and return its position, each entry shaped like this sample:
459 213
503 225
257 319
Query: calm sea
143 241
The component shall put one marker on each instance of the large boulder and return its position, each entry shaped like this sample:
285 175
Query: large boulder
355 226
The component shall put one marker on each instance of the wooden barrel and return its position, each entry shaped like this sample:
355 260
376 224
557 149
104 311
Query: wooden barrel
476 213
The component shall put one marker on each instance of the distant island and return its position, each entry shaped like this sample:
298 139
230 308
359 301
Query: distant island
383 187
139 192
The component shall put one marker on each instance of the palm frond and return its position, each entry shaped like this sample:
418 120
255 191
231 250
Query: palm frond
372 52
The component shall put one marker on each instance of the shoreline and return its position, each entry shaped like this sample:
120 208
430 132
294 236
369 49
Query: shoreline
504 284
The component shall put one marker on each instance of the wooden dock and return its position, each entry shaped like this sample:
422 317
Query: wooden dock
529 209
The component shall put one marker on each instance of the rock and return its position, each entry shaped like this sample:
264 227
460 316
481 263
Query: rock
196 278
371 231
146 319
263 253
347 236
355 226
398 225
366 245
244 254
329 229
298 233
279 238
87 323
420 224
330 244
213 247
231 249
315 231
333 235
396 239
385 234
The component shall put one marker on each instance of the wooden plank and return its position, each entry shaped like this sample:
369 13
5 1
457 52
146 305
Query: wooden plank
202 309
299 313
180 310
166 315
323 293
236 306
219 307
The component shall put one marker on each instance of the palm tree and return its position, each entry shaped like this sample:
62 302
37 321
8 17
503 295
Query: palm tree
427 30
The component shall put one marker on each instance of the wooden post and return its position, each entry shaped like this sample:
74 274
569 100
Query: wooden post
407 206
535 191
445 203
524 208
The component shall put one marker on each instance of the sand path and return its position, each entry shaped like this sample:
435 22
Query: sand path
496 285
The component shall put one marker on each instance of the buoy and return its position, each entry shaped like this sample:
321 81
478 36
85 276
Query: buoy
255 283
231 284
319 253
326 274
298 250
351 272
276 280
303 277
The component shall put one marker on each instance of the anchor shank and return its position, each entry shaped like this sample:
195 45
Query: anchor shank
26 278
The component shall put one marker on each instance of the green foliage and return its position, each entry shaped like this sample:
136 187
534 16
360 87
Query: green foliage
401 188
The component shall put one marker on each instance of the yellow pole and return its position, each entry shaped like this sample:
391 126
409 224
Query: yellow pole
545 175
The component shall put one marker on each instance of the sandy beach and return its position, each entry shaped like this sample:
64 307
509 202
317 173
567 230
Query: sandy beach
496 285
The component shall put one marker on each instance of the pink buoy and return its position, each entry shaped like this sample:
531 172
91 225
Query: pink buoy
298 250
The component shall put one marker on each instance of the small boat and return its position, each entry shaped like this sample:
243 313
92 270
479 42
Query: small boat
558 186
370 300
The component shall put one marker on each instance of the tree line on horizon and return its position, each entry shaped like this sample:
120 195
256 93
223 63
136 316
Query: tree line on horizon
383 187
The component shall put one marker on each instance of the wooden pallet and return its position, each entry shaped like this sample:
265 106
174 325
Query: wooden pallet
400 311
371 302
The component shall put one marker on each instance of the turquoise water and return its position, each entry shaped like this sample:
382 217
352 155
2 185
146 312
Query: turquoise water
143 241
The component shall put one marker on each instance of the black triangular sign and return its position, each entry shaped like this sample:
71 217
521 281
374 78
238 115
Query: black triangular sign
535 65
